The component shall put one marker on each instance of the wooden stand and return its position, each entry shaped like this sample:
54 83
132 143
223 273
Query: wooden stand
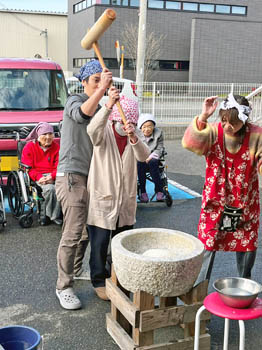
131 323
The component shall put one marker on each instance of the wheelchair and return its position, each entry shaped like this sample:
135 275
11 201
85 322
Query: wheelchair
163 175
24 195
2 205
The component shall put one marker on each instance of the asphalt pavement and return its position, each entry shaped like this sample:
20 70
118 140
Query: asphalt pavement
28 272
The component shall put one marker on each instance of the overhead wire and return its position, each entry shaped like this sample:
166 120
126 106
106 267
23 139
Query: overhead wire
21 20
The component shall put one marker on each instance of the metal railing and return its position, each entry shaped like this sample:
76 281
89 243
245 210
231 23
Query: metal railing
178 103
255 99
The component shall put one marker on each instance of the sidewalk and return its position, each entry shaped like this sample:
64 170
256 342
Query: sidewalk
28 272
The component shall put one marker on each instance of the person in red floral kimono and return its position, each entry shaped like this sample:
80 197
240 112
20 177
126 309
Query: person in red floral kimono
229 217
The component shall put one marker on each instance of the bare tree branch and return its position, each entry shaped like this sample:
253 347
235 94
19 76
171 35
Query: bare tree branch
152 53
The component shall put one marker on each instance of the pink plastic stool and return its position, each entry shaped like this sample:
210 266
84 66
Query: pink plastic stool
215 306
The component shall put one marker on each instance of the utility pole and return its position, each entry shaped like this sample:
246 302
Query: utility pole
44 32
141 50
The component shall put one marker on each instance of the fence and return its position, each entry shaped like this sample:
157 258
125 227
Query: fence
255 99
177 103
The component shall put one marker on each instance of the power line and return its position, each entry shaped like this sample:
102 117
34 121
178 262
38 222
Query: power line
22 21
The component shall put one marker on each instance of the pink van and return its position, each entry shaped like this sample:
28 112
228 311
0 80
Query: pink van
31 91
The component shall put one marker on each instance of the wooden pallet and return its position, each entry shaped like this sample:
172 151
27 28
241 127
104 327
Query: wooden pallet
135 317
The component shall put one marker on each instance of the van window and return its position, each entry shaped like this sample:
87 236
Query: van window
32 89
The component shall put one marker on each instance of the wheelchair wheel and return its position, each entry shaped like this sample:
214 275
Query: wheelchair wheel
14 195
168 199
2 210
26 221
2 217
2 221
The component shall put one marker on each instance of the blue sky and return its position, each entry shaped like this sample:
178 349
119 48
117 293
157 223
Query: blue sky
35 5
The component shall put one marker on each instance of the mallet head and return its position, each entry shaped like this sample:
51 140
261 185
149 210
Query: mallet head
98 29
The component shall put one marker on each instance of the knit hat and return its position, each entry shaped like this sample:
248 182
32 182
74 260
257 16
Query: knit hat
90 68
145 117
40 129
130 109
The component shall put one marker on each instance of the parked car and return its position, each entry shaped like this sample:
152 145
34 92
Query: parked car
31 91
74 86
125 86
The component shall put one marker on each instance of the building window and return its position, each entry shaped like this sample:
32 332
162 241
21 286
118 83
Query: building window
239 10
111 63
206 8
129 63
120 2
190 6
134 3
76 8
156 4
79 62
173 5
168 5
174 65
223 9
80 6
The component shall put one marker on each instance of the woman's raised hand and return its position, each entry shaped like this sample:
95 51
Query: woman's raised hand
130 130
208 108
114 96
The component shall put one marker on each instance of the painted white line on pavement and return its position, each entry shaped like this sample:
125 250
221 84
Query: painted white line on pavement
184 188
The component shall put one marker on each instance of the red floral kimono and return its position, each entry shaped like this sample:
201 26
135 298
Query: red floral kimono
240 189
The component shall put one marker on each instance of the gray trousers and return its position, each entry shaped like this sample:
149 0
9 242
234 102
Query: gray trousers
245 263
52 205
71 191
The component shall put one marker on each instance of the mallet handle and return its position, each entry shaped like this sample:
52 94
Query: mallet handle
101 60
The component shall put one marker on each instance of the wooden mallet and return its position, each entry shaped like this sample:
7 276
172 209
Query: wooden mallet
90 41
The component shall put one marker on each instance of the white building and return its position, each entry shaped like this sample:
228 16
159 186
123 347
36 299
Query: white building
29 33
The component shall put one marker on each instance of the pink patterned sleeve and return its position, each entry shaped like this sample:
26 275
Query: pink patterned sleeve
255 146
199 136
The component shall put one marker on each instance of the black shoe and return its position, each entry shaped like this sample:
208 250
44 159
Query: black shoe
44 221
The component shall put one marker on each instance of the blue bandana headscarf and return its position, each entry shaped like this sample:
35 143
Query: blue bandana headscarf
90 68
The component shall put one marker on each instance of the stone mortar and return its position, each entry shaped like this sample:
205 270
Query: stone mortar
172 274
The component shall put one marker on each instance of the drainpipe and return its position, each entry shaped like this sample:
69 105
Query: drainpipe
44 32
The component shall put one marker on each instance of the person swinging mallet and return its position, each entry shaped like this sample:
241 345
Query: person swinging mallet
90 41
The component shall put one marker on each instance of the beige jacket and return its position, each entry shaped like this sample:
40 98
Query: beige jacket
112 180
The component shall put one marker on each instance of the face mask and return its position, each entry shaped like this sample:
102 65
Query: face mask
119 129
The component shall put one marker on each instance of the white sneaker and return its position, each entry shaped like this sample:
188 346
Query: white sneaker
82 275
68 300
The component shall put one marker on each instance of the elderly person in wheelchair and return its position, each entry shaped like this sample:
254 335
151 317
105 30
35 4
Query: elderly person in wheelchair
153 137
41 155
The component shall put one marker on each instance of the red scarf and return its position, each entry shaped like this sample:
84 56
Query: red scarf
121 141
